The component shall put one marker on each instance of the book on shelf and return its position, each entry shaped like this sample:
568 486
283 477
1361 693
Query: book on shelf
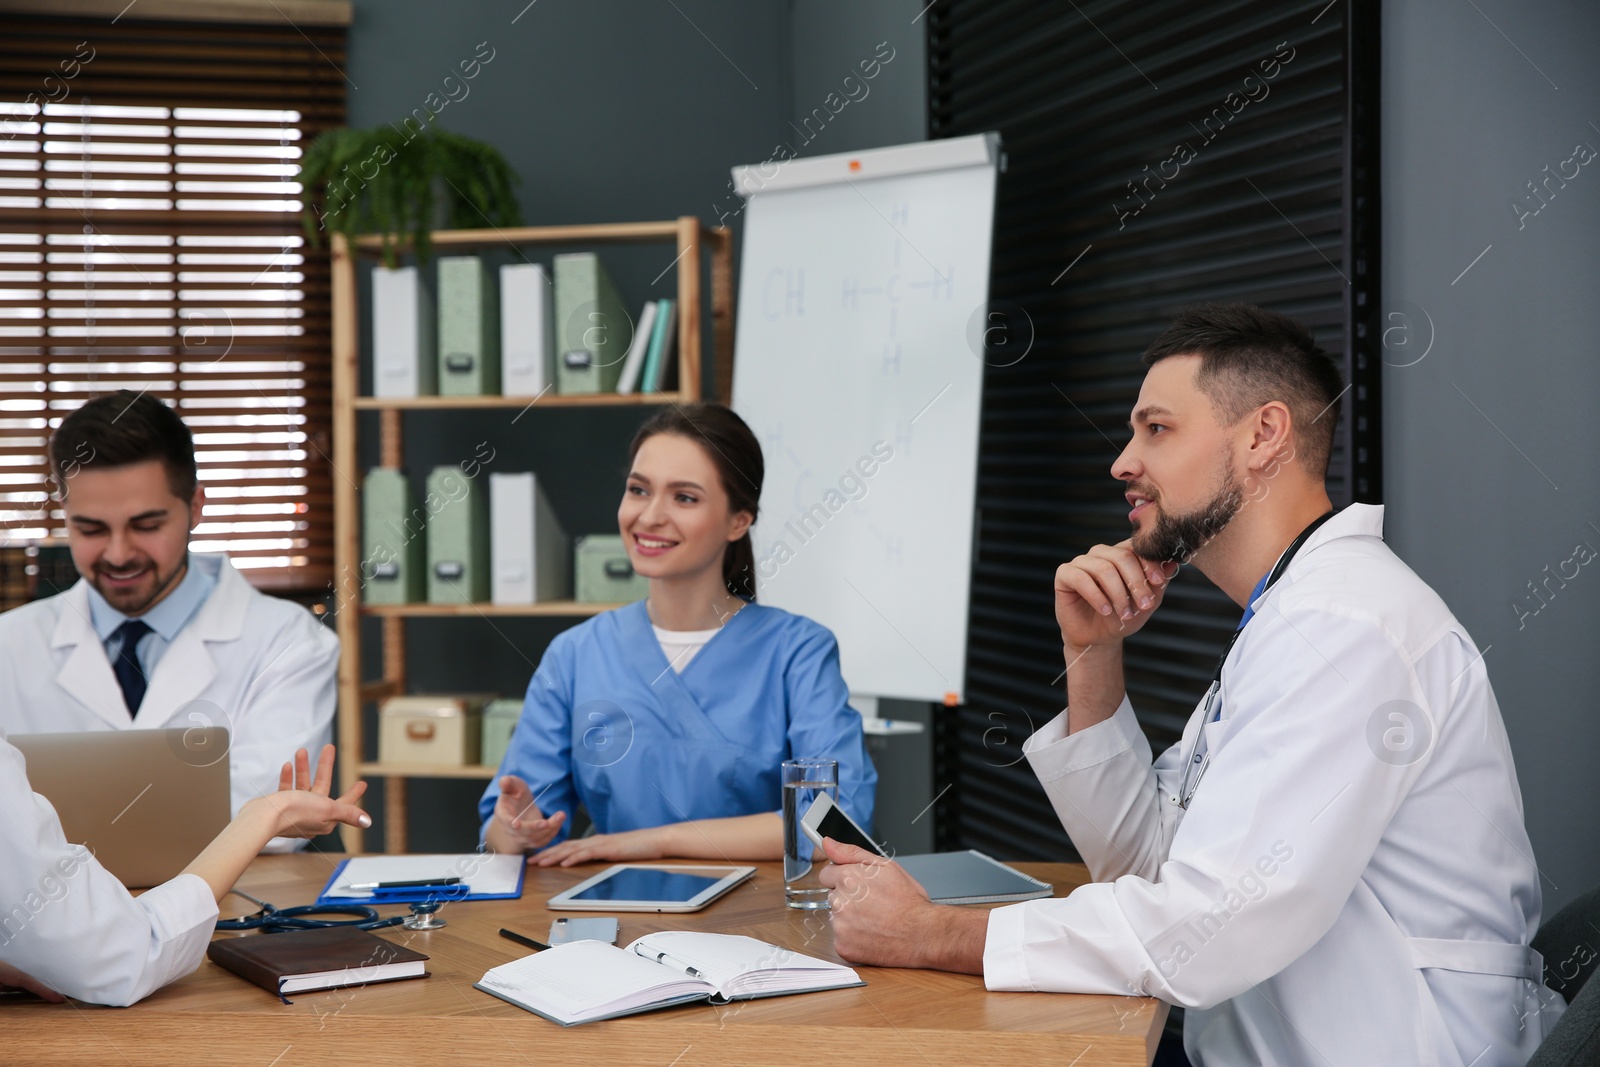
587 981
633 365
660 346
303 961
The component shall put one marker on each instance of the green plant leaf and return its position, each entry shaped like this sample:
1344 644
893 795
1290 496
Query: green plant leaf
382 181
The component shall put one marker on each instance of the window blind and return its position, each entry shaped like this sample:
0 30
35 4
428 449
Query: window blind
1104 228
150 239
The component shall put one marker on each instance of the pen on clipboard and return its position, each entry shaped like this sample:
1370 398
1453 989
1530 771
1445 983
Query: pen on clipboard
417 884
521 940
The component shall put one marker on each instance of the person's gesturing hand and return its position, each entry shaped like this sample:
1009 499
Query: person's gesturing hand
1108 593
302 807
521 825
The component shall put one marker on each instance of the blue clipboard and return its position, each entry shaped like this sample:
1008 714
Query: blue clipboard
417 895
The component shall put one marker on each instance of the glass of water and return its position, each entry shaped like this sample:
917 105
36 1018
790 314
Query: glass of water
803 780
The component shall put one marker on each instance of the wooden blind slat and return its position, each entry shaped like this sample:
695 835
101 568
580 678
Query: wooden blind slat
193 281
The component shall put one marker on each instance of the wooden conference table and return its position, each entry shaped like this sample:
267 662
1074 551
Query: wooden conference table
921 1018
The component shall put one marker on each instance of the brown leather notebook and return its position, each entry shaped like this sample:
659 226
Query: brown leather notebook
308 960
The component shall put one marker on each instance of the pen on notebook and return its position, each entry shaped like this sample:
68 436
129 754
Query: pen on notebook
406 885
677 965
519 939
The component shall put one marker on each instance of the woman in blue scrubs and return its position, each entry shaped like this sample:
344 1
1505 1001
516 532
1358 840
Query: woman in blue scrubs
668 719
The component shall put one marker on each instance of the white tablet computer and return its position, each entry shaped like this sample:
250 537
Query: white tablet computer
650 887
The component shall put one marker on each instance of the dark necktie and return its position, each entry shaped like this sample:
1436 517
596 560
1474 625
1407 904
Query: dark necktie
130 676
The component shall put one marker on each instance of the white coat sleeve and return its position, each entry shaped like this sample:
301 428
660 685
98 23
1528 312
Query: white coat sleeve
288 704
1107 794
1286 819
68 923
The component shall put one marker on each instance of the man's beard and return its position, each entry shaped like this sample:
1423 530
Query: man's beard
1176 538
123 600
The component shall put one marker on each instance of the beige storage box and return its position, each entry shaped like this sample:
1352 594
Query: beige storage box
444 730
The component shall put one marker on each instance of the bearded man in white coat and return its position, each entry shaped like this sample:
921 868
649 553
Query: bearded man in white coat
153 636
1331 866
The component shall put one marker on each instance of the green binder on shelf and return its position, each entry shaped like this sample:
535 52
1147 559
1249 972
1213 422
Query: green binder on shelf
393 561
458 538
593 330
469 328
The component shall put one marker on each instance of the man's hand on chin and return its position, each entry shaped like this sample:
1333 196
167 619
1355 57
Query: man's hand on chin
882 917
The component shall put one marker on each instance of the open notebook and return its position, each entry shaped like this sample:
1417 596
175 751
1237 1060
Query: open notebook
586 981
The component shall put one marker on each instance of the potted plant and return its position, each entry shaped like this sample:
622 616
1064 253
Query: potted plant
384 180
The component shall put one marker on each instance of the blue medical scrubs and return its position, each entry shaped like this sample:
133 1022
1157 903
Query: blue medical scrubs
609 724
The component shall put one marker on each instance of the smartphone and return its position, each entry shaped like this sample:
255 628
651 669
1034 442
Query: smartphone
826 819
564 930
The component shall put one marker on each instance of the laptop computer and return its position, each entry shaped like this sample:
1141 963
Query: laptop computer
145 802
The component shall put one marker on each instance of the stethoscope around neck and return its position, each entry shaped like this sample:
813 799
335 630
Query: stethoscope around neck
1199 758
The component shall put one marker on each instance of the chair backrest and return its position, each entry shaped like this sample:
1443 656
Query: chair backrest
1575 1042
1569 941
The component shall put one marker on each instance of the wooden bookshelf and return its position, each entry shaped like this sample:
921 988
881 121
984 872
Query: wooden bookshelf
569 608
423 770
549 400
695 243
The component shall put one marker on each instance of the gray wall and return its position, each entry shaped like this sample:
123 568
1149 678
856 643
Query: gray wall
616 111
1489 457
610 111
829 41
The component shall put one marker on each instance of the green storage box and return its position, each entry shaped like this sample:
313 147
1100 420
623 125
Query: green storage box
469 328
458 538
593 328
392 558
499 719
604 574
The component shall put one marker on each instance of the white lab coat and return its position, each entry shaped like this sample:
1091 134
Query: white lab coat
70 924
1339 890
262 667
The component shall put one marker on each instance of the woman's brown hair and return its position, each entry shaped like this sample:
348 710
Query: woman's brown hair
735 452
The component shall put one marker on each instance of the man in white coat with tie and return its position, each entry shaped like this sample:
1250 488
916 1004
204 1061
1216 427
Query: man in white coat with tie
1331 866
153 636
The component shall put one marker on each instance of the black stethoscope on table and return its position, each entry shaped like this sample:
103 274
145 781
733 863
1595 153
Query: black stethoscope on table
271 920
1200 758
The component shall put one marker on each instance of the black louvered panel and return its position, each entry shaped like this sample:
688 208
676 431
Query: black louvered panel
1263 211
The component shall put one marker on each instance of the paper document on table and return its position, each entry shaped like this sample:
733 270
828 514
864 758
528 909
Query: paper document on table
484 875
